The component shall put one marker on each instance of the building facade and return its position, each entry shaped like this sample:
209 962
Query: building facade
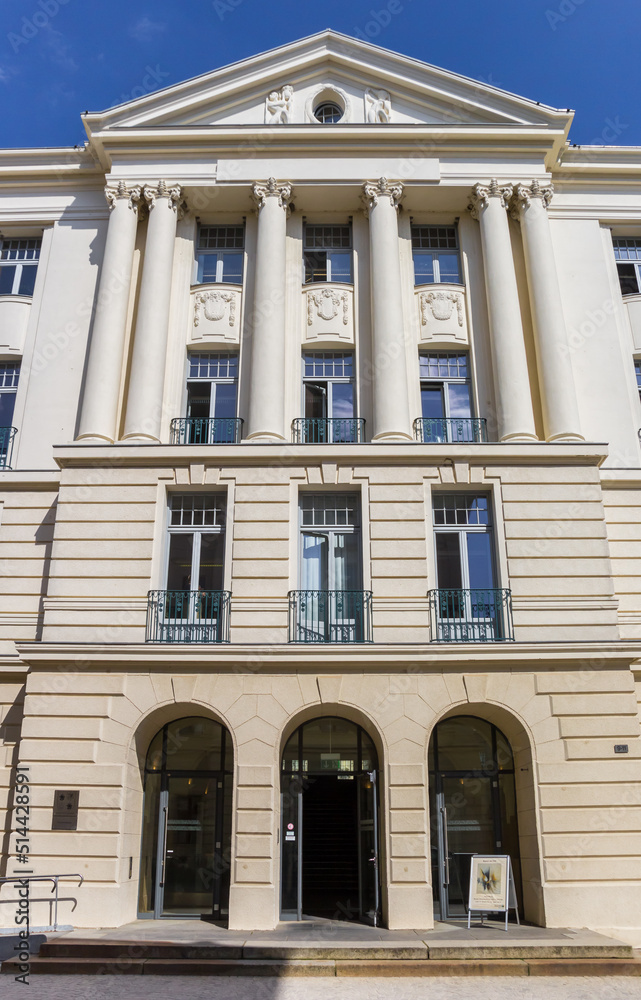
320 527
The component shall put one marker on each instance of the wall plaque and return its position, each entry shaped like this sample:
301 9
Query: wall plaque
65 810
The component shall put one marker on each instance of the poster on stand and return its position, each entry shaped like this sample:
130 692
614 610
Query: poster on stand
489 879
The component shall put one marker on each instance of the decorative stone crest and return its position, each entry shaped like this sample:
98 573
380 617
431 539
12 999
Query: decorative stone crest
279 106
523 195
481 195
272 189
441 304
327 303
382 188
214 305
173 195
122 191
378 107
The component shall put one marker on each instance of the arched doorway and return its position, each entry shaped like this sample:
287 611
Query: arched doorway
472 806
329 823
186 834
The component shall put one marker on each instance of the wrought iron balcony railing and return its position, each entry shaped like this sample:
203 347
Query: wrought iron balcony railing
330 616
7 437
188 616
214 430
471 615
328 430
451 430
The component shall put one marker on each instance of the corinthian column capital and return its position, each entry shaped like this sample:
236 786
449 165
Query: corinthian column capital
114 194
524 193
382 188
162 190
272 189
481 194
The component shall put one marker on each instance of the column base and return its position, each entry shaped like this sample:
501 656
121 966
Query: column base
392 436
518 436
265 437
94 439
570 437
135 438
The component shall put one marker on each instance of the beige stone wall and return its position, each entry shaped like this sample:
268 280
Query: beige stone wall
622 502
579 817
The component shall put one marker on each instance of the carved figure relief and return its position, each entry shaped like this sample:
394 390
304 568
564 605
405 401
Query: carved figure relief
214 306
279 106
327 304
441 304
378 107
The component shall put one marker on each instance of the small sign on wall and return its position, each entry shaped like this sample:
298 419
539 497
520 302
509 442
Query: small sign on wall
65 810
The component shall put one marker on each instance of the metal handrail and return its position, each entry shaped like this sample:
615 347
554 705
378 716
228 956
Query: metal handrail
471 615
18 880
206 430
330 616
451 430
7 438
188 616
328 430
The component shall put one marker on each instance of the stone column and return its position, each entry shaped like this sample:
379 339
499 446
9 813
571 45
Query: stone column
390 395
104 367
267 378
146 381
515 417
556 378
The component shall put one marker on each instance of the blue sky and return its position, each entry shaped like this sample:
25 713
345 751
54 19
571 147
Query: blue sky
61 57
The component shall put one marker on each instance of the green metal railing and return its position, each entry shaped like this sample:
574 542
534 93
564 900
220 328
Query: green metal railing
188 616
328 430
7 438
330 616
214 430
451 430
471 615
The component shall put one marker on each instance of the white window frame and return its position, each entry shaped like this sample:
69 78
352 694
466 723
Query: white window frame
219 254
328 250
435 253
213 381
20 262
6 370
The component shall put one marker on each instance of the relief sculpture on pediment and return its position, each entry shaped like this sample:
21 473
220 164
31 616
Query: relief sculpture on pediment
378 107
279 106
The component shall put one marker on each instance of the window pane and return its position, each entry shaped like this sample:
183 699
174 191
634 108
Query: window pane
197 509
637 369
315 401
198 400
448 561
27 280
221 237
314 562
434 237
340 266
206 267
225 400
327 237
448 267
7 403
233 268
179 569
342 400
213 366
194 745
210 575
479 557
432 401
628 279
458 395
423 269
7 276
345 569
465 744
315 267
627 248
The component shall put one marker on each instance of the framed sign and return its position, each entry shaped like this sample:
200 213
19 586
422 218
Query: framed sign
491 886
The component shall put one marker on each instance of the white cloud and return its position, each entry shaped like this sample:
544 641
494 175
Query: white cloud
4 76
144 30
58 49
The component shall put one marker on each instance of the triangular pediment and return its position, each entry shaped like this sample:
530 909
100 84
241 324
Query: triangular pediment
284 85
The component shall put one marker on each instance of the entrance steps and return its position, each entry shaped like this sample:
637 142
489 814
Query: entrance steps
352 951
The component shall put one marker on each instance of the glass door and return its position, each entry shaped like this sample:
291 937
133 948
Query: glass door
368 850
186 845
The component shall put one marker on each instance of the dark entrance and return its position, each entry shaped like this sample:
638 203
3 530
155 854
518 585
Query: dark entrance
329 831
472 807
184 868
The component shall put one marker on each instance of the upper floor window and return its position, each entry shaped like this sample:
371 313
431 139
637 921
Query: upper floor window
446 397
463 538
328 385
436 255
18 265
627 253
9 375
212 385
327 253
196 542
637 370
220 254
328 113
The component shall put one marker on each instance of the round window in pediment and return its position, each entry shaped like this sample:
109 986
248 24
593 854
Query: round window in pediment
328 113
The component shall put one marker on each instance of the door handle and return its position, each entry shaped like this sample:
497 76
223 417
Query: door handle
446 848
164 846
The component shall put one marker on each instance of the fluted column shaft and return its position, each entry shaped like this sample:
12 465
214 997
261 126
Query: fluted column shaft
515 418
391 396
147 378
266 419
104 366
556 378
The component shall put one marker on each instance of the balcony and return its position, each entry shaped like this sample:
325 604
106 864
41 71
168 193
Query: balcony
471 615
7 438
328 430
188 616
215 430
330 616
451 430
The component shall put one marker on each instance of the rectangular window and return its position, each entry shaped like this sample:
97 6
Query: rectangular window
627 253
18 265
327 253
328 389
446 403
212 386
220 254
637 371
436 255
9 375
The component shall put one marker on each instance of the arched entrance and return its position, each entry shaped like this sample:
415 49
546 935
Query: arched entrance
186 834
472 806
329 823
